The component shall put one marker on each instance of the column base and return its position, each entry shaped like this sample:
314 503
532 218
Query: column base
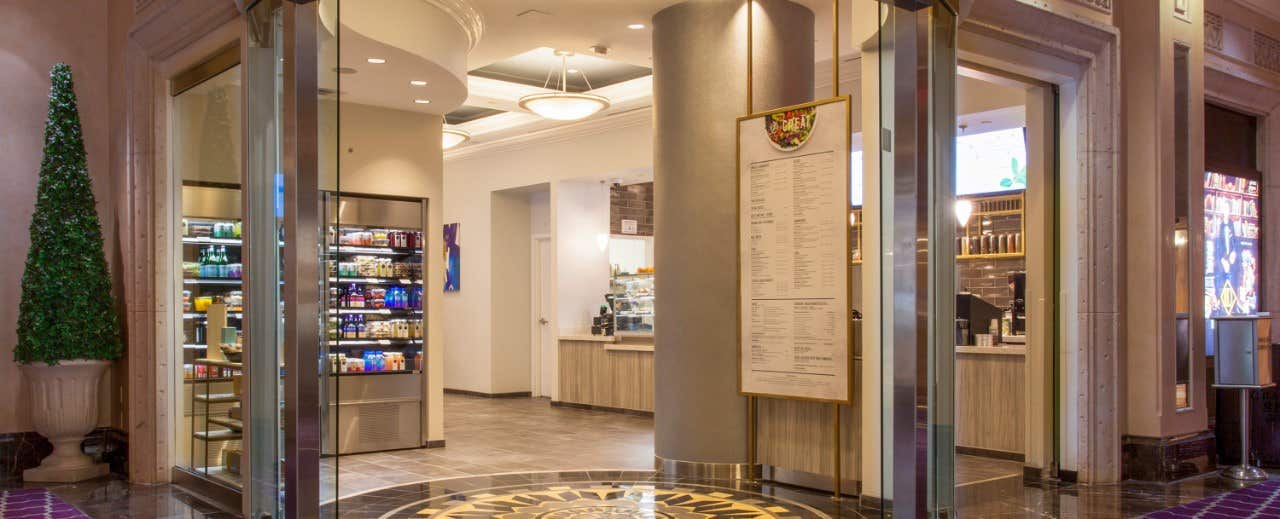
698 469
1171 458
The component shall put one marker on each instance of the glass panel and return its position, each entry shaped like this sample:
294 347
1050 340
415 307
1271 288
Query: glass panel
1181 217
206 160
917 62
372 245
263 246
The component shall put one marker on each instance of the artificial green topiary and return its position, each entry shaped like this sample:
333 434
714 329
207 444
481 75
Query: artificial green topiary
67 311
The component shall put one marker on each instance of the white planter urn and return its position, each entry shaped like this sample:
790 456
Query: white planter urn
64 408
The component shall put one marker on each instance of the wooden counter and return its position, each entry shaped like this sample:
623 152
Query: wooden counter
606 373
990 400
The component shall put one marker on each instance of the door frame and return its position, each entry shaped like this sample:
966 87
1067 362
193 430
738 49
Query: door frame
535 336
1082 58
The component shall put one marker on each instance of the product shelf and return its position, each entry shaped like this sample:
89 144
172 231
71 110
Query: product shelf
213 281
361 250
201 315
375 281
375 373
374 311
396 342
204 240
963 257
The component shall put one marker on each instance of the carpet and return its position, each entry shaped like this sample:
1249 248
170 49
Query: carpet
32 503
1261 500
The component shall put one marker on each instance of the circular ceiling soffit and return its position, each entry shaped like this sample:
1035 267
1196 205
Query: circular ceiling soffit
466 16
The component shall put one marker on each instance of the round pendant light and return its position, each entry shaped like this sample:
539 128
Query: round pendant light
453 137
564 105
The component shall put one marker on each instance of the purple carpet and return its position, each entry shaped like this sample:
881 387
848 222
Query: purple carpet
24 503
1261 500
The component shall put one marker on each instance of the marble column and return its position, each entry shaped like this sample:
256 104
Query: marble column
699 86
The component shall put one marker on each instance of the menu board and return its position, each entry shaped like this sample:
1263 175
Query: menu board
1232 221
793 239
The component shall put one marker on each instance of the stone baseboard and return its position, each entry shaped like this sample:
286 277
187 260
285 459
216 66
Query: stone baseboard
1169 459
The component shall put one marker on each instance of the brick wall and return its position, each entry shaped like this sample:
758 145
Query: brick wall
633 202
989 278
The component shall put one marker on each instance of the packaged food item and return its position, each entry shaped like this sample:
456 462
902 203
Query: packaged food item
202 303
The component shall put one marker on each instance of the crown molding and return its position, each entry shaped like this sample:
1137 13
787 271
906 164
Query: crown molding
628 119
465 15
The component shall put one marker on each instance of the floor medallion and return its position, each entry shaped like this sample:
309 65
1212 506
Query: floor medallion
594 500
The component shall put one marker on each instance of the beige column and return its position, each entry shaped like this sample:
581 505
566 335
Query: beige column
1151 168
700 65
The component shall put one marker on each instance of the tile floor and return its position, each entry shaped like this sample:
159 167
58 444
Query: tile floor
530 441
494 436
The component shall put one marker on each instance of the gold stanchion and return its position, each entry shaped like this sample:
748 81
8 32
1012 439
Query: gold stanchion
835 414
835 48
750 49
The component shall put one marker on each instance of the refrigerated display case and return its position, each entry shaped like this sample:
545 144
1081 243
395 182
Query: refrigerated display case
375 327
633 300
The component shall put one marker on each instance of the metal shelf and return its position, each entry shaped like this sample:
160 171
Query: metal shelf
374 311
385 251
962 257
212 241
375 373
342 343
376 281
213 281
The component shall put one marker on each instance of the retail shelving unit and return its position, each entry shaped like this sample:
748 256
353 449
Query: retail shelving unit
376 326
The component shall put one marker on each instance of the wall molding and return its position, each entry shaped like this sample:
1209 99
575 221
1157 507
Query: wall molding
1098 5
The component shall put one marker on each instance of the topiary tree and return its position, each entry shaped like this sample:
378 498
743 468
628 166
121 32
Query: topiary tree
67 311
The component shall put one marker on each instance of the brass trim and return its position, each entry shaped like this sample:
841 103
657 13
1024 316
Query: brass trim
704 470
220 62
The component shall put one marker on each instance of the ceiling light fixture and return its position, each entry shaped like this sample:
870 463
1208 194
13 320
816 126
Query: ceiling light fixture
963 208
573 71
564 105
636 26
422 101
376 61
418 82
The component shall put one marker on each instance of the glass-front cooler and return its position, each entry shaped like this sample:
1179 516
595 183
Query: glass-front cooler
375 326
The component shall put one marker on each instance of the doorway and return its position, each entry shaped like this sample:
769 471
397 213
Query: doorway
1006 279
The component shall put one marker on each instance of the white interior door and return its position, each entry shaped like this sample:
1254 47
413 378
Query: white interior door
544 341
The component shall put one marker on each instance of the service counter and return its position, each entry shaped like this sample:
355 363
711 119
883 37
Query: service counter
606 373
990 400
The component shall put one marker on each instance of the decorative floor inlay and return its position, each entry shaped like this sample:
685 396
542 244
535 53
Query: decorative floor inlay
590 500
32 503
1257 501
595 494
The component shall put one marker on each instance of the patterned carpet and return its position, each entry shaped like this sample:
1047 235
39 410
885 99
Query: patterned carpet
1257 501
32 503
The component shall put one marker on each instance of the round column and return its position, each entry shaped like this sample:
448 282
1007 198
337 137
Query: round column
699 88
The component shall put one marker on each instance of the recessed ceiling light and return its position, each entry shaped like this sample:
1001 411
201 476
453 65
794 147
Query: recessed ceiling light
418 82
422 101
376 60
572 71
636 26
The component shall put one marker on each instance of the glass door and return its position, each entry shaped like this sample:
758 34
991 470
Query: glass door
264 246
283 54
917 66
